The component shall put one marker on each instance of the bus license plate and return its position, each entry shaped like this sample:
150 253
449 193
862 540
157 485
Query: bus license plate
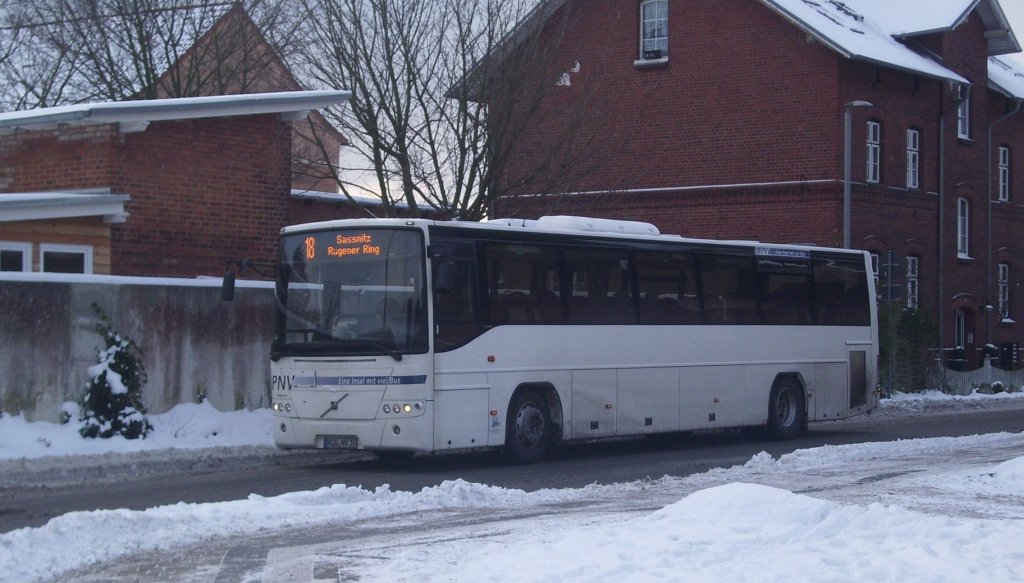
341 442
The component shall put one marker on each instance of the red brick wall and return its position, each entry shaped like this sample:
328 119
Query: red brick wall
746 99
700 118
765 214
84 157
202 191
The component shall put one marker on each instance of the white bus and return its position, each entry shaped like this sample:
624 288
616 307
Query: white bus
400 336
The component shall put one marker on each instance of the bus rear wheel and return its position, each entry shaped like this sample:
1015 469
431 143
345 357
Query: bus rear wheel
529 429
787 414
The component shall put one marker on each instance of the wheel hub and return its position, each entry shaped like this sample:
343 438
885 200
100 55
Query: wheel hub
529 425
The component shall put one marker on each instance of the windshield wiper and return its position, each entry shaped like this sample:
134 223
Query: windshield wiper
393 353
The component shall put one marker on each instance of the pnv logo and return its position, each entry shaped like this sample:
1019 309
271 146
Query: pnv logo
281 382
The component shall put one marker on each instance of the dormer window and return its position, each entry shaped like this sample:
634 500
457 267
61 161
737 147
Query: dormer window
653 30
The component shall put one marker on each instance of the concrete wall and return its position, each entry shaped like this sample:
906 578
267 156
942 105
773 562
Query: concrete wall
191 340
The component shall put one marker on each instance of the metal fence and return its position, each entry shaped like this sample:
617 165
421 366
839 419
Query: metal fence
987 378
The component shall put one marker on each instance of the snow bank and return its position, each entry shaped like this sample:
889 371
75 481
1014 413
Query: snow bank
187 426
30 554
734 532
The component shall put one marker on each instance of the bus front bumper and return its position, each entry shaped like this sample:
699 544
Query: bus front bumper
397 433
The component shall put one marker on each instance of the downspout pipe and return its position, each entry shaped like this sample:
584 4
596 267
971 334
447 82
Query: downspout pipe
940 304
988 266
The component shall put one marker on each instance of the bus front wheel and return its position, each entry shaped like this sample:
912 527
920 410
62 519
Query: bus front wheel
786 411
529 432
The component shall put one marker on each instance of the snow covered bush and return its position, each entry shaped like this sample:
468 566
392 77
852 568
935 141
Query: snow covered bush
112 404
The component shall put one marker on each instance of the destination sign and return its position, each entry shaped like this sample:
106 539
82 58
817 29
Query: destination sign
342 246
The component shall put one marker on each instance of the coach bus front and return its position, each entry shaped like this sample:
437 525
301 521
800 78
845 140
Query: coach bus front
350 357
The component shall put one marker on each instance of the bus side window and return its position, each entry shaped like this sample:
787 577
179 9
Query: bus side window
601 287
729 289
840 285
522 285
455 321
667 288
786 299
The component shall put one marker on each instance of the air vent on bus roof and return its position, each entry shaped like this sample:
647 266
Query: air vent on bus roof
525 223
567 223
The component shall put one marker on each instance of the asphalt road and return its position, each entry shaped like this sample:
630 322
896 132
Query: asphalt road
574 466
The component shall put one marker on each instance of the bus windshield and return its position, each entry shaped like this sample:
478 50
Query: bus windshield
352 292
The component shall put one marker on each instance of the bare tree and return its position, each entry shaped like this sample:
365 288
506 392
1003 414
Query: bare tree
72 51
441 92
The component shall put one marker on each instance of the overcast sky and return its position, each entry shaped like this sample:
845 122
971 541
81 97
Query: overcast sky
1014 10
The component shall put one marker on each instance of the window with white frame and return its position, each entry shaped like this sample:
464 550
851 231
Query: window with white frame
653 29
1004 173
960 329
913 277
963 113
913 158
874 267
963 226
874 153
1004 290
15 256
65 258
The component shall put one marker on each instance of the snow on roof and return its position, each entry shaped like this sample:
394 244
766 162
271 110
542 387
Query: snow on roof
907 18
144 111
360 199
913 17
1006 76
861 33
30 206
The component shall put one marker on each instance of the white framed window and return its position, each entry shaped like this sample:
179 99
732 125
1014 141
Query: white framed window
913 278
56 258
653 30
874 267
960 329
15 256
874 153
963 226
963 114
1004 290
913 158
1004 173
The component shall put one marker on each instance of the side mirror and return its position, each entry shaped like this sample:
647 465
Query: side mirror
227 288
444 277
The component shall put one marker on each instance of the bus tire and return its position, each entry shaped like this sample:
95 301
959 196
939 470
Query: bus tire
787 414
529 428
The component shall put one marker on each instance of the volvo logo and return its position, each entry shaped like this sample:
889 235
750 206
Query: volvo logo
334 406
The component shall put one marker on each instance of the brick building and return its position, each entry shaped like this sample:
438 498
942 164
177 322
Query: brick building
726 119
205 164
165 187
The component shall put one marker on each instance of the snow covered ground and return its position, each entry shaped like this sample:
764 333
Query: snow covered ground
944 509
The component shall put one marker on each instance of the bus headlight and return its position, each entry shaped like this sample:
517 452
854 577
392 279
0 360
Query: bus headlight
404 409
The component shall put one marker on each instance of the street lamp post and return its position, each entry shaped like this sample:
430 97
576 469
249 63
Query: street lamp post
847 163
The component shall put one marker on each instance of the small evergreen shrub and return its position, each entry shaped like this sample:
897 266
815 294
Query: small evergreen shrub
112 404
